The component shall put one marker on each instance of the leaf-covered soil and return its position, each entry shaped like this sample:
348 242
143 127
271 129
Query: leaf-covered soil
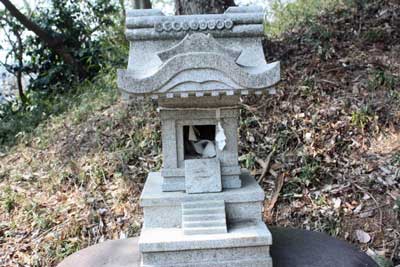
325 147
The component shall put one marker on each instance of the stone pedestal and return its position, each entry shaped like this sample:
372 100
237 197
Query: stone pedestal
208 229
292 247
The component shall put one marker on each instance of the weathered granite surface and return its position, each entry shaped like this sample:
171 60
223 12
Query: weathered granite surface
204 217
113 253
177 183
163 209
203 210
291 247
246 244
203 176
152 194
240 234
200 55
154 25
207 229
226 257
202 70
240 211
172 122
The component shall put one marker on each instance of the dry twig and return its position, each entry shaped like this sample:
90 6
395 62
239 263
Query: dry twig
278 187
265 164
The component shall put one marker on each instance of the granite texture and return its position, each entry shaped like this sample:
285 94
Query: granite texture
163 209
113 253
240 234
154 25
204 217
199 71
177 183
216 229
203 176
242 257
291 247
202 210
198 43
172 122
152 194
171 216
178 56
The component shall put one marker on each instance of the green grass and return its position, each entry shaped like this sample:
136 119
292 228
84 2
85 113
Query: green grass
361 117
309 174
396 159
8 199
381 79
21 124
285 17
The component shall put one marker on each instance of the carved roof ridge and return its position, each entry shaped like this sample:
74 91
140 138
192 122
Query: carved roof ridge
198 42
154 25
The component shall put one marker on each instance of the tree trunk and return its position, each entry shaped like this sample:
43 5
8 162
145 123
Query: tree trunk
189 7
20 55
142 4
56 44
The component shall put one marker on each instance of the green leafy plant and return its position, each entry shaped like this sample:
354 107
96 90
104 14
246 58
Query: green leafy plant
9 199
94 29
382 261
85 27
381 79
309 173
396 159
248 160
361 117
286 16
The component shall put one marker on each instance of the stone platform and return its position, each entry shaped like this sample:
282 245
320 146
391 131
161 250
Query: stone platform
163 209
204 230
246 244
291 248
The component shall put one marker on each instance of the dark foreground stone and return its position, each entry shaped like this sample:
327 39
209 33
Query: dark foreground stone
301 248
291 248
115 253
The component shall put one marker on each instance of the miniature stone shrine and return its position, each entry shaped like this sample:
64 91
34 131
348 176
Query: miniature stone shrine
202 209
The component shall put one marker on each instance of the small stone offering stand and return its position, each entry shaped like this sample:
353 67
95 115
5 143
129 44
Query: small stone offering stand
202 209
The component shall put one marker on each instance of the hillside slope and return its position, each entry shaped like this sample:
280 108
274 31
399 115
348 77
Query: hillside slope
325 147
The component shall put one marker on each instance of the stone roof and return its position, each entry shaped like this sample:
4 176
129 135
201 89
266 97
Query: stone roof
196 55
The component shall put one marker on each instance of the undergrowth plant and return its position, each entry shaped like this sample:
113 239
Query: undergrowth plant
361 117
95 29
21 123
381 79
286 16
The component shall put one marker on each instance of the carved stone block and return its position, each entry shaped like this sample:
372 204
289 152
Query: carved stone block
203 176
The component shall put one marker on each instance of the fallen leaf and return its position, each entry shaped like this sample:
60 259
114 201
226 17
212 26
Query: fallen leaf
362 236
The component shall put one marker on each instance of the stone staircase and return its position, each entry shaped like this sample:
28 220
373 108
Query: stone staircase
204 217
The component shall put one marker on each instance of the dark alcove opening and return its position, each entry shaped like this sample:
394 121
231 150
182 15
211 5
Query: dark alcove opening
204 134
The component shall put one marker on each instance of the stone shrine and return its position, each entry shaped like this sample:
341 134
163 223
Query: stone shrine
202 209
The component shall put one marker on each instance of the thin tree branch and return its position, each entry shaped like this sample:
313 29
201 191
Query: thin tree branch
52 40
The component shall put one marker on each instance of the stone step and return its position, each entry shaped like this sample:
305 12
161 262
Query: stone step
208 211
203 217
205 230
204 223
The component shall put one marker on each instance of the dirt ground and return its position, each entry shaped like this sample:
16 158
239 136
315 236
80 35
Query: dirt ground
325 146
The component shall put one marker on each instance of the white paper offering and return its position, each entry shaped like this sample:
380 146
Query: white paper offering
205 148
220 137
192 134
